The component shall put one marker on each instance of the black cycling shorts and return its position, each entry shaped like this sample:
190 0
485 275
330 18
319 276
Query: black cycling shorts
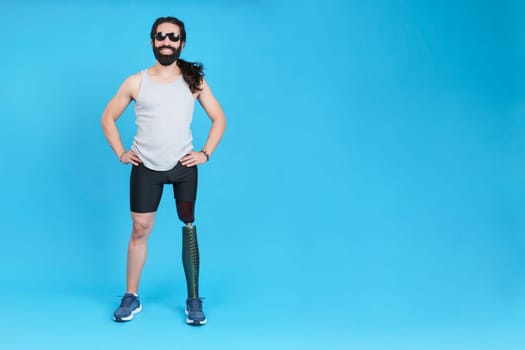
146 185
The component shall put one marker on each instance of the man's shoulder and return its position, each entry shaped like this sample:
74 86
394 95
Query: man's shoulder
131 85
134 77
133 80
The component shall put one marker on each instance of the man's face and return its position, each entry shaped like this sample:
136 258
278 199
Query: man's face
167 44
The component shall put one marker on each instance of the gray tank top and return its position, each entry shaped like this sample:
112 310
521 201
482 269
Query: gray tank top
163 116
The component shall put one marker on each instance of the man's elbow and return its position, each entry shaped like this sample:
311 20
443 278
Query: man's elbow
221 120
107 122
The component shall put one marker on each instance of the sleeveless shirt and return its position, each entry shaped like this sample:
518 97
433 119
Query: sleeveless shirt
164 112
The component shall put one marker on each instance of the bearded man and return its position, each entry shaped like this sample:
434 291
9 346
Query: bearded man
162 153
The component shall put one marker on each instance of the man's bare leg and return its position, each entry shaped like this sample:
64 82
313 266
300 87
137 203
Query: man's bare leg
137 248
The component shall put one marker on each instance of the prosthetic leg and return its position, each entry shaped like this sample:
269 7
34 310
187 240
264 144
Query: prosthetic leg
190 261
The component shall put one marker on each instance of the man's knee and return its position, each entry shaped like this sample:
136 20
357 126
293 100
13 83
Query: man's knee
141 227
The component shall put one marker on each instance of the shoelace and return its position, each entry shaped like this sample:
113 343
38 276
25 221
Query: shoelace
195 304
127 300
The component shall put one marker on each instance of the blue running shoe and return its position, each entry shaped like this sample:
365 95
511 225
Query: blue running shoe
129 306
195 316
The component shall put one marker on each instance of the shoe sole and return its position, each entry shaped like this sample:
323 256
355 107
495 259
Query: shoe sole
195 322
130 317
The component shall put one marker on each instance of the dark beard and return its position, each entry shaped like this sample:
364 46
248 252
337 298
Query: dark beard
166 60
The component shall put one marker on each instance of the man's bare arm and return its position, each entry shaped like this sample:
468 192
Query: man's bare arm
215 113
116 106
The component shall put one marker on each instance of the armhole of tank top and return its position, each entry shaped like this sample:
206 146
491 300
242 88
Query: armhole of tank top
196 95
142 73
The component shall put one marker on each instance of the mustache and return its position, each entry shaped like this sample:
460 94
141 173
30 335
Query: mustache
166 47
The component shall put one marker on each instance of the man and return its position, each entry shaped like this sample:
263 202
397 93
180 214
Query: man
162 153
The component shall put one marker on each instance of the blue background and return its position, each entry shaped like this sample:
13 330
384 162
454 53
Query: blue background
368 192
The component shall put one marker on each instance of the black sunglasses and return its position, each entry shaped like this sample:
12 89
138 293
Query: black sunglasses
172 36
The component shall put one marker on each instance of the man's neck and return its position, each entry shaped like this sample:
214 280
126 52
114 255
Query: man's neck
166 71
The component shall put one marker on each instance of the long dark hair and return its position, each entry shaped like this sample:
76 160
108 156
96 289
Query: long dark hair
192 72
